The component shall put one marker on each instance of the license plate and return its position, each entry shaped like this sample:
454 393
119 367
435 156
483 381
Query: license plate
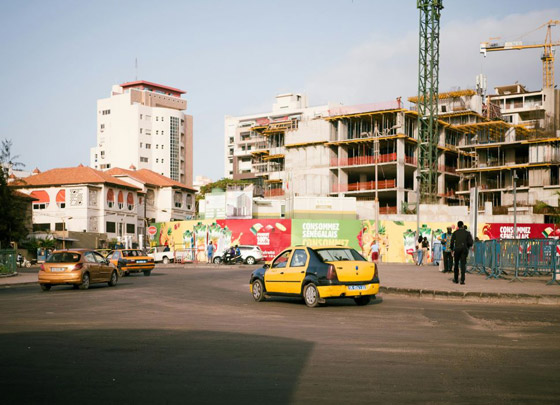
356 287
58 269
140 261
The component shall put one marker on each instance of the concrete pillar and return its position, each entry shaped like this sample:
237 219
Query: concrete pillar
400 165
342 130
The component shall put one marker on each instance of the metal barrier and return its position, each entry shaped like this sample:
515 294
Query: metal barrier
520 257
8 262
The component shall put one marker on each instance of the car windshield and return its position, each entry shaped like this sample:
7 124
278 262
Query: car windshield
64 257
131 253
336 255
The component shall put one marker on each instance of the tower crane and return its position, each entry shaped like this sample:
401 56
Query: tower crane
547 55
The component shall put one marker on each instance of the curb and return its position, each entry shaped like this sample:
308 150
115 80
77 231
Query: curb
472 296
15 273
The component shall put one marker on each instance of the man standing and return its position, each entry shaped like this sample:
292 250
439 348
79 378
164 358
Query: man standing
210 251
447 252
461 242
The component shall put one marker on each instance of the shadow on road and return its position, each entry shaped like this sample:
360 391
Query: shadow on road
157 366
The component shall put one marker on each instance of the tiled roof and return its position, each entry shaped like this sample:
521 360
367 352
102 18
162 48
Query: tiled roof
70 175
23 196
149 177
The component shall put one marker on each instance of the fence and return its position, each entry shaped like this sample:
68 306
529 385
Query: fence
518 257
7 261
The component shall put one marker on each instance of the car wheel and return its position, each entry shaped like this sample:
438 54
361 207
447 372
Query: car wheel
362 300
250 260
45 287
311 295
217 260
147 273
114 279
85 282
165 260
257 290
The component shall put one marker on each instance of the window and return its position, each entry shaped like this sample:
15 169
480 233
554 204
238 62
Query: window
140 130
161 146
102 127
162 160
130 201
59 226
178 198
281 260
110 227
120 200
110 198
157 160
105 112
162 118
39 206
148 146
143 159
162 131
41 227
299 258
140 144
157 118
157 132
157 146
140 116
129 228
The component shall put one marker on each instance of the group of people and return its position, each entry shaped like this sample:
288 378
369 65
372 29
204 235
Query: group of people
233 253
455 246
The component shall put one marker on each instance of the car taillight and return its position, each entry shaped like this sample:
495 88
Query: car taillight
77 266
42 267
331 273
375 271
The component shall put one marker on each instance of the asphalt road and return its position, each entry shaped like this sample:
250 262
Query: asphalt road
195 335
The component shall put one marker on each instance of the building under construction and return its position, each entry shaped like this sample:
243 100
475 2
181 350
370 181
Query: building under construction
496 144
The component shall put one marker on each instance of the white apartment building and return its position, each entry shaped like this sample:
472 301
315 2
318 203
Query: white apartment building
143 124
260 148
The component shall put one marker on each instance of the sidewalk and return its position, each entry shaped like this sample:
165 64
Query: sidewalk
425 282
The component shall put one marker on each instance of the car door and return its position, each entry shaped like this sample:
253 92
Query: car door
92 265
274 275
295 271
104 267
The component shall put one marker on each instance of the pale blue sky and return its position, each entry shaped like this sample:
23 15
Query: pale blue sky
232 58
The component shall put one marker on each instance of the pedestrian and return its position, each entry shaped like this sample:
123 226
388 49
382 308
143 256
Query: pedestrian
447 252
436 252
425 249
461 242
419 251
210 251
374 252
20 259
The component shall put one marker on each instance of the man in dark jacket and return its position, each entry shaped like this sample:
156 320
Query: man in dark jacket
461 242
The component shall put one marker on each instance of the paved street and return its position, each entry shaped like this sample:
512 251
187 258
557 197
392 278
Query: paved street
195 335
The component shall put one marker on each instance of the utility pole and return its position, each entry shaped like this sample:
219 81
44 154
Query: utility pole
428 89
515 178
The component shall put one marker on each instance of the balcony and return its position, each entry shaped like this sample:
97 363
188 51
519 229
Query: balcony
363 160
275 192
448 169
363 186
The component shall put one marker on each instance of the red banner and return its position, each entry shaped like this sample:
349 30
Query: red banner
524 231
271 235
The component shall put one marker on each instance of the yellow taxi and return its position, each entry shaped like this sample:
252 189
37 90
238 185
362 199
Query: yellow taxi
79 267
131 261
317 273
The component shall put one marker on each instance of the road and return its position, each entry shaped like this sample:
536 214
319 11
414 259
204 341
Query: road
195 335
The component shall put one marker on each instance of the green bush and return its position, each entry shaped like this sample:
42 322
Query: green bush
4 269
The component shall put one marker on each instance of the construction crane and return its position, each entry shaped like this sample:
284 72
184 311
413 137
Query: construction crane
428 89
547 55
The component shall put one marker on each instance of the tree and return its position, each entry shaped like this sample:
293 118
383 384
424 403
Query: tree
13 215
543 208
222 183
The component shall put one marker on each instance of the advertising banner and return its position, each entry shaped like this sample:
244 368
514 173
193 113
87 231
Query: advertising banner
524 231
326 232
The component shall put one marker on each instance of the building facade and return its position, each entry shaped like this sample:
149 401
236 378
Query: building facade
143 124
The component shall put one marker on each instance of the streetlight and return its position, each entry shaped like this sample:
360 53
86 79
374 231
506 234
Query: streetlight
64 230
515 178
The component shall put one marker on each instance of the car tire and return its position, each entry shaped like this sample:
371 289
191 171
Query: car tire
114 279
147 273
257 290
311 295
45 287
250 260
84 285
217 260
165 260
362 300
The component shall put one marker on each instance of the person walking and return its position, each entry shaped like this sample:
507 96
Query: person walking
374 252
461 242
447 252
425 249
419 251
210 252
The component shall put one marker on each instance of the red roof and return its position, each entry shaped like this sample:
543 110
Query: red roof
150 84
68 176
149 177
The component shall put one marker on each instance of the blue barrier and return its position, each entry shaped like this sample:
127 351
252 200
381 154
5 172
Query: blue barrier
520 257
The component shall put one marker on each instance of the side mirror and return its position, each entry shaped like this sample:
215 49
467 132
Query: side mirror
106 261
266 266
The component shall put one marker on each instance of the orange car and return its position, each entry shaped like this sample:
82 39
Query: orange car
131 261
79 267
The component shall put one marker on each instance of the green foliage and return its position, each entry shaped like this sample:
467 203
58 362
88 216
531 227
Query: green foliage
4 269
222 183
543 208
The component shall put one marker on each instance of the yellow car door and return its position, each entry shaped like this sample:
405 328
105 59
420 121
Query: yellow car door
295 271
274 277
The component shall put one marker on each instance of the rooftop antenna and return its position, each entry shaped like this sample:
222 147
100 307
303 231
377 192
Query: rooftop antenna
136 68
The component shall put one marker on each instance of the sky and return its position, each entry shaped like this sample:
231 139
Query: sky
234 57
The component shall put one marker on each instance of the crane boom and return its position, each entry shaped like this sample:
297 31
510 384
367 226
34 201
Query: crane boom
547 55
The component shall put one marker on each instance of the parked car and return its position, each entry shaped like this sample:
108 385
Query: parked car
79 267
162 257
249 254
317 273
131 261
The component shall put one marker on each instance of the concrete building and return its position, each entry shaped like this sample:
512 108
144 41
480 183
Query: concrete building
143 124
368 151
120 203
